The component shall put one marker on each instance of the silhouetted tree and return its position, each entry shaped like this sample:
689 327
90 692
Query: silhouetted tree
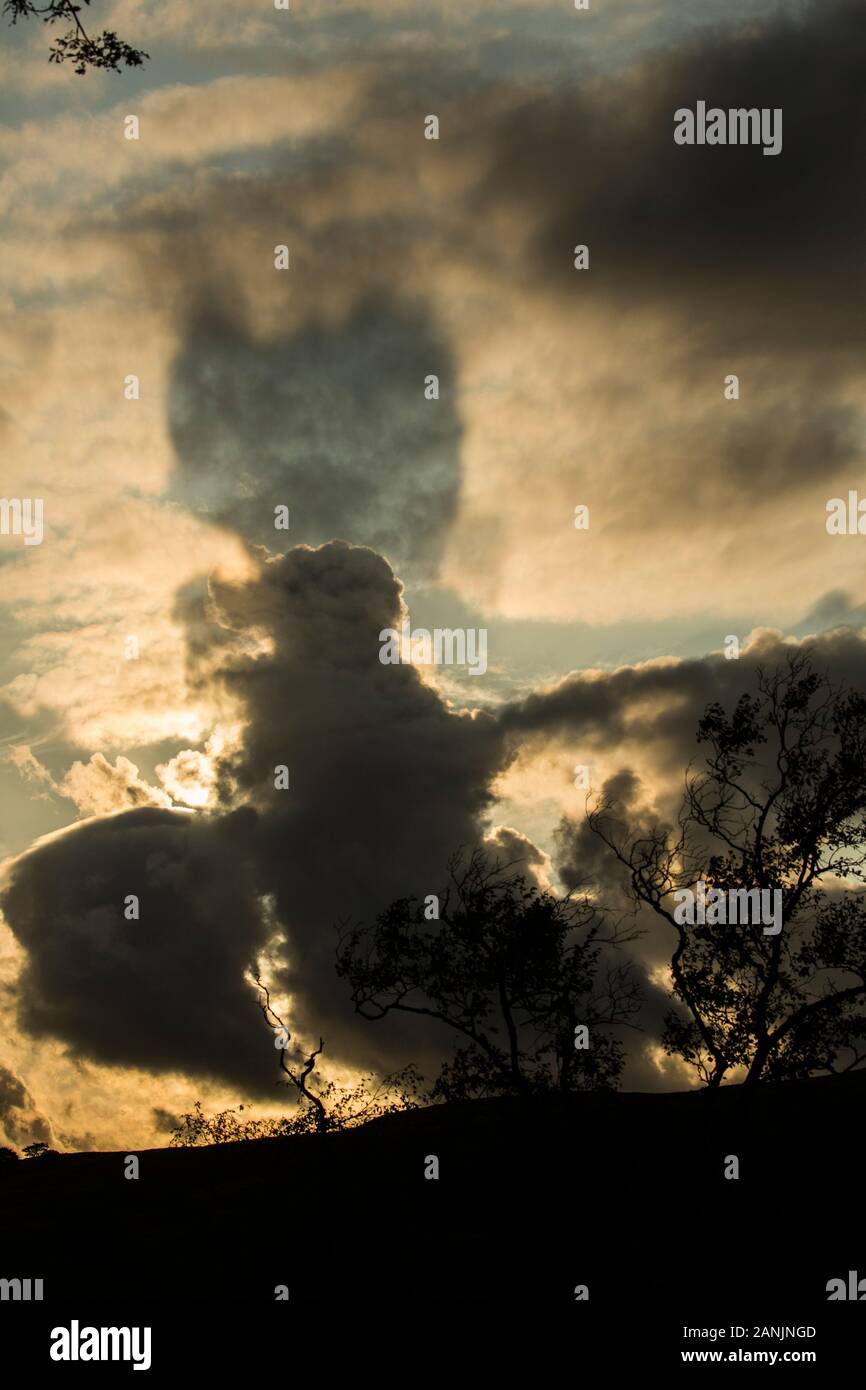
511 968
36 1150
76 45
779 804
333 1107
8 1157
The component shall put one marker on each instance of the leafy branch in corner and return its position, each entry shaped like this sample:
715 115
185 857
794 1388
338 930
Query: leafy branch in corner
76 45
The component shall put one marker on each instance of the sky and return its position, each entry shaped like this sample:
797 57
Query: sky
165 646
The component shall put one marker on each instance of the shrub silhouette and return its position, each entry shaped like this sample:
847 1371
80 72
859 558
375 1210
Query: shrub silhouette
343 1108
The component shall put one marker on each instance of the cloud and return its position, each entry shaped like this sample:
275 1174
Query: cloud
28 765
166 992
21 1121
386 781
696 272
164 1120
190 777
718 231
98 788
634 728
464 247
656 705
331 422
512 847
180 124
306 389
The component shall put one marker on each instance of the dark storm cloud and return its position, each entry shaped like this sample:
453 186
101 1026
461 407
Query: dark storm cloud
650 714
385 781
162 993
331 422
510 847
385 784
583 860
729 260
721 230
584 863
748 254
652 711
777 451
745 263
658 705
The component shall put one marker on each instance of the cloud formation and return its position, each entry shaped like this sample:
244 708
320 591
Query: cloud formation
258 388
21 1121
385 780
165 991
385 783
329 422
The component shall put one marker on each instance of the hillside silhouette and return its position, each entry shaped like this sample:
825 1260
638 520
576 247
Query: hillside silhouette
623 1192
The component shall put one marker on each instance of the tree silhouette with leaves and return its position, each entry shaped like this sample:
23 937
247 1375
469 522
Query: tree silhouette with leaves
76 45
37 1150
512 969
779 804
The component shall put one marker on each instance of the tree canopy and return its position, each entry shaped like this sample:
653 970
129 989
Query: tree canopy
512 969
779 804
